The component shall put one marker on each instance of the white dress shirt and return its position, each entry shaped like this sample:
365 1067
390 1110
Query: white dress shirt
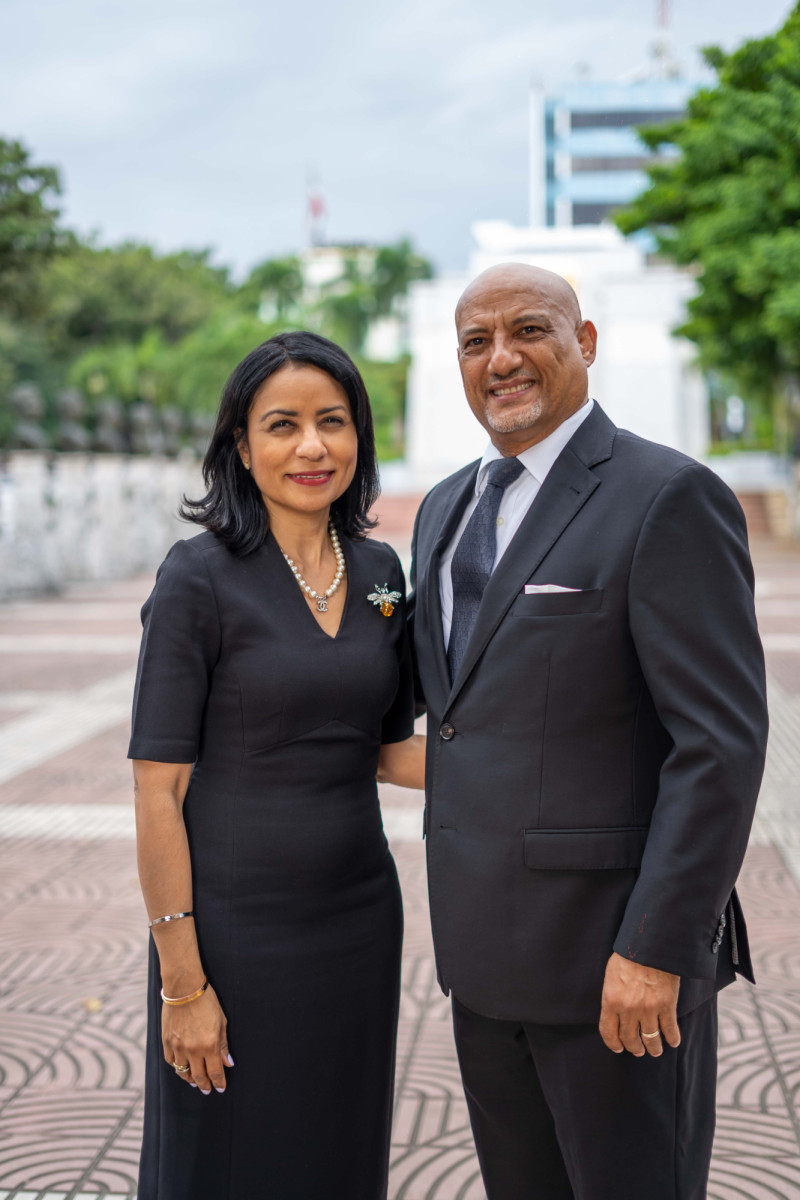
517 499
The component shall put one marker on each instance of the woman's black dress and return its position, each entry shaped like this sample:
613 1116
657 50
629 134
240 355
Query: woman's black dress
296 901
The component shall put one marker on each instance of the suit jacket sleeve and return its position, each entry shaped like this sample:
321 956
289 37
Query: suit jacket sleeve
693 622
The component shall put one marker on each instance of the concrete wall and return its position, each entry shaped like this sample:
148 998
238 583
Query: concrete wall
71 517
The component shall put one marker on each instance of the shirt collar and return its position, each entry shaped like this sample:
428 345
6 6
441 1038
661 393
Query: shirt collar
539 458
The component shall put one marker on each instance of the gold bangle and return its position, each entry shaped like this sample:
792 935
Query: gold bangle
176 1000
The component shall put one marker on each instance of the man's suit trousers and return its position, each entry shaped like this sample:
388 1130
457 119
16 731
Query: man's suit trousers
556 1115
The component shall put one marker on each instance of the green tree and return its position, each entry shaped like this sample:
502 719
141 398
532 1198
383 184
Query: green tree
202 361
346 304
24 355
189 374
344 316
729 206
278 283
101 296
386 386
29 232
369 287
396 267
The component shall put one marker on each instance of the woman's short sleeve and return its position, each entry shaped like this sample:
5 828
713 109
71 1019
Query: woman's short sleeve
398 722
180 645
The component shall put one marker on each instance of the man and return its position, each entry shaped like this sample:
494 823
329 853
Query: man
587 648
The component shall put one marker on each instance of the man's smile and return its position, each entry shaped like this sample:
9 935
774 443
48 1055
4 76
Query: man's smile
510 389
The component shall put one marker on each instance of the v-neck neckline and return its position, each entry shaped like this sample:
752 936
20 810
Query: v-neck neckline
332 637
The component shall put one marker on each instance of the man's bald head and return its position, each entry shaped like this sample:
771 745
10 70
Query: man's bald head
524 350
520 276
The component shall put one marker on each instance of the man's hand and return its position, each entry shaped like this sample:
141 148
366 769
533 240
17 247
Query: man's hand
638 1000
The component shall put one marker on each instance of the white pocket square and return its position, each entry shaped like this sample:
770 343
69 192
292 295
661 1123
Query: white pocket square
533 589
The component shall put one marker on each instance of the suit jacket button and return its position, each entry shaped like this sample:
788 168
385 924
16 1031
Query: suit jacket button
446 731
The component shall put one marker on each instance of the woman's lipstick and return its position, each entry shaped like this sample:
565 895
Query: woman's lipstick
311 478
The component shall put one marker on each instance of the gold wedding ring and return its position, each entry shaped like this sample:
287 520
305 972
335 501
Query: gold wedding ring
650 1035
180 1070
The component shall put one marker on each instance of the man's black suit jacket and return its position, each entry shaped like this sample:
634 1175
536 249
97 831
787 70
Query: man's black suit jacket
594 767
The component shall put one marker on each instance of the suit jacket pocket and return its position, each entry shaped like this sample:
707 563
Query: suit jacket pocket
556 604
585 849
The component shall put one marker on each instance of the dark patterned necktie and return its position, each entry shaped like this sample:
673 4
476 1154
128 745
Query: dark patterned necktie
474 558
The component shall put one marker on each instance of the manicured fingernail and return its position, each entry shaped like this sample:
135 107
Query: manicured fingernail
230 1059
219 1090
192 1084
206 1093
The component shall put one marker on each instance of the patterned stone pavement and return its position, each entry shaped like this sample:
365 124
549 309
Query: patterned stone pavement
72 933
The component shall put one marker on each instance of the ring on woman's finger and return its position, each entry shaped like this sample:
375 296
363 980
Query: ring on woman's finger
650 1035
180 1070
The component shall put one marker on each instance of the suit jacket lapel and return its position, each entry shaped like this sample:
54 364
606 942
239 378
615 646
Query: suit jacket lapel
451 516
568 486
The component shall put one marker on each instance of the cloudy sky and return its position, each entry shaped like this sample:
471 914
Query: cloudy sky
198 122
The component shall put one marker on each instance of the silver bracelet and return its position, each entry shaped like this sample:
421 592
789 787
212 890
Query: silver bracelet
171 917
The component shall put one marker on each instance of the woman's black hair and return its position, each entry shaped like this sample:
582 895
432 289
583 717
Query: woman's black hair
233 507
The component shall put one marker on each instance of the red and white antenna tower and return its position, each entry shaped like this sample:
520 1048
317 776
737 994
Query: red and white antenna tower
316 210
663 54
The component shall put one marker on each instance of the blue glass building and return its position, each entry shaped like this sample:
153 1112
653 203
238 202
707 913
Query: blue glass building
585 156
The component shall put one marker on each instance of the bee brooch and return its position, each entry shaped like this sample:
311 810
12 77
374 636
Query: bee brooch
383 599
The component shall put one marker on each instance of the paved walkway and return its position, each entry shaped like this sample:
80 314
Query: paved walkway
73 938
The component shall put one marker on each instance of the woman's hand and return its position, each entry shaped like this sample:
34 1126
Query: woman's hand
196 1034
403 763
193 1034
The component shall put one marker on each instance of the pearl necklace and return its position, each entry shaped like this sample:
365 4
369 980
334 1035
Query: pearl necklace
322 601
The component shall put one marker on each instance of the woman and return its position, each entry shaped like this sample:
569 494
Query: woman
274 681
